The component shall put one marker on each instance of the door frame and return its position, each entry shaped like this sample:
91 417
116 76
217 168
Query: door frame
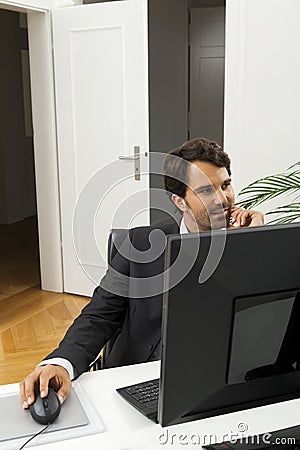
45 139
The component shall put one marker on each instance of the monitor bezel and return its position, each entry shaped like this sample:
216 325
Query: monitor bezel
165 414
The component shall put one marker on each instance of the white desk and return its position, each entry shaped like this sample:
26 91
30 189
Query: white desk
127 429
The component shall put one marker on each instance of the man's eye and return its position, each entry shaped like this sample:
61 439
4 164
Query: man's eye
225 186
205 191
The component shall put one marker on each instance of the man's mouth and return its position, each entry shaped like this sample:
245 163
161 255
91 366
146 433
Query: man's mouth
220 212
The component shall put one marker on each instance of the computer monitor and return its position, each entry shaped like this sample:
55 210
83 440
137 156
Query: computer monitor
231 342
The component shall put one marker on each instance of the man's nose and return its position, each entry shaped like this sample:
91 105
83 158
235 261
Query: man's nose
221 197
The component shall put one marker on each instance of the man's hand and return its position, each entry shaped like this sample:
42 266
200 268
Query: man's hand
48 375
241 217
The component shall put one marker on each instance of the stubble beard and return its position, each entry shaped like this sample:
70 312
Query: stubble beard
206 222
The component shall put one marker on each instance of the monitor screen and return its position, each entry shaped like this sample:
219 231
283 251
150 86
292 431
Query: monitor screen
261 325
230 337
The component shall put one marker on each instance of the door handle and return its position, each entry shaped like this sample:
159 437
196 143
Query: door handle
136 158
128 158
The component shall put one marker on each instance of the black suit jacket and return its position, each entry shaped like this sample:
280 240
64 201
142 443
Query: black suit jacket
136 321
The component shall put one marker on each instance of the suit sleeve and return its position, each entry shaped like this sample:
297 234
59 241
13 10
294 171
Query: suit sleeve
98 320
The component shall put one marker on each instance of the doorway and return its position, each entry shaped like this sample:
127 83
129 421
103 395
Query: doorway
186 79
19 263
206 69
44 137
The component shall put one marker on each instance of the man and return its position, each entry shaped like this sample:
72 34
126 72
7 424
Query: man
197 178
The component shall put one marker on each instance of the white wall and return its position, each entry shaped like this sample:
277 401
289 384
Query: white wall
45 151
262 94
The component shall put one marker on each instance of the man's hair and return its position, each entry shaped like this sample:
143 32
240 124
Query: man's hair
200 149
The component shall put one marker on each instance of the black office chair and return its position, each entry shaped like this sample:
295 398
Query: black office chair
116 238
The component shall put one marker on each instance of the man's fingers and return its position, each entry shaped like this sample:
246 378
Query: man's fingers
23 397
236 215
246 217
257 219
65 385
43 375
27 389
64 392
243 217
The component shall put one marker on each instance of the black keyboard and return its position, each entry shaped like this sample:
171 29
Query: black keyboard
144 392
143 396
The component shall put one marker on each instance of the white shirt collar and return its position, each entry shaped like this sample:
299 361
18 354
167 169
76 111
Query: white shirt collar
183 229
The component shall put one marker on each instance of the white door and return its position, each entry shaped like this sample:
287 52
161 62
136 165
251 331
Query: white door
101 82
207 43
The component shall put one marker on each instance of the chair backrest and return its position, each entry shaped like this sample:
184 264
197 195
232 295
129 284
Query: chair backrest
116 237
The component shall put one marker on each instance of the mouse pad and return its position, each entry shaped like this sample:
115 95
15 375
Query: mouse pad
17 422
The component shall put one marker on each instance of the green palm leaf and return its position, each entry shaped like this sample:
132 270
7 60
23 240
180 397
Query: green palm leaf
284 220
291 207
294 165
287 213
270 187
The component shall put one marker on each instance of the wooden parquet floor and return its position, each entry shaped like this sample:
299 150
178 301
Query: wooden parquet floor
19 260
32 321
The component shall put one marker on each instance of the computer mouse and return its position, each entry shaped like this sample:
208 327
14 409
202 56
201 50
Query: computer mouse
45 410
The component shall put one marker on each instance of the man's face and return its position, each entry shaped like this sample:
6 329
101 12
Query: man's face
209 197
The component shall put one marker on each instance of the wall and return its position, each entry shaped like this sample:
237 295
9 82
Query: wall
262 94
17 189
45 151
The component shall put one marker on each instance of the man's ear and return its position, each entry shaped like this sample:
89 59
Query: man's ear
179 202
